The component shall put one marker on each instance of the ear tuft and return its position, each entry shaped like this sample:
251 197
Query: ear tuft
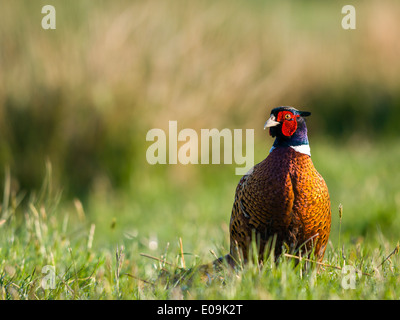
304 113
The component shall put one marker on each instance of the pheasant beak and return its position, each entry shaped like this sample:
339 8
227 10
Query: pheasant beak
271 122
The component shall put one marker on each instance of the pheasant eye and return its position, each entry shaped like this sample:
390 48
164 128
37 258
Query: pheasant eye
288 116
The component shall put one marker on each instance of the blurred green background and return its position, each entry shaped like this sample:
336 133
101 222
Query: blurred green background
83 97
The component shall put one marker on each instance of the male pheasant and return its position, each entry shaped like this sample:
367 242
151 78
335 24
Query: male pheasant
283 199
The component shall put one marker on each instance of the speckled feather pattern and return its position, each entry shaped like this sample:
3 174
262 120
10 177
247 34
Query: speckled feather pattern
286 197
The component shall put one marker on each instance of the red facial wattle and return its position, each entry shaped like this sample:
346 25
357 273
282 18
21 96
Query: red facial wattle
289 123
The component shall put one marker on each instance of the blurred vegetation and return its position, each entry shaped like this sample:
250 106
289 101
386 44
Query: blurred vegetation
76 104
83 96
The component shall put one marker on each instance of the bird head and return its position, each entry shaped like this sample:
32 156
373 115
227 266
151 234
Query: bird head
285 121
288 125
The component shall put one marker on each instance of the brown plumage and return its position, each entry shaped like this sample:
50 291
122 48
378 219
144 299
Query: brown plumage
283 197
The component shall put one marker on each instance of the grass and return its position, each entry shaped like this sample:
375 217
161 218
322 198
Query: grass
84 96
134 247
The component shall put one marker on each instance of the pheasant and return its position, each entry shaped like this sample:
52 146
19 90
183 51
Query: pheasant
283 200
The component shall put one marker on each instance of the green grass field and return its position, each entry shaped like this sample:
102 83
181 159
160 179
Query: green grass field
98 251
81 202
